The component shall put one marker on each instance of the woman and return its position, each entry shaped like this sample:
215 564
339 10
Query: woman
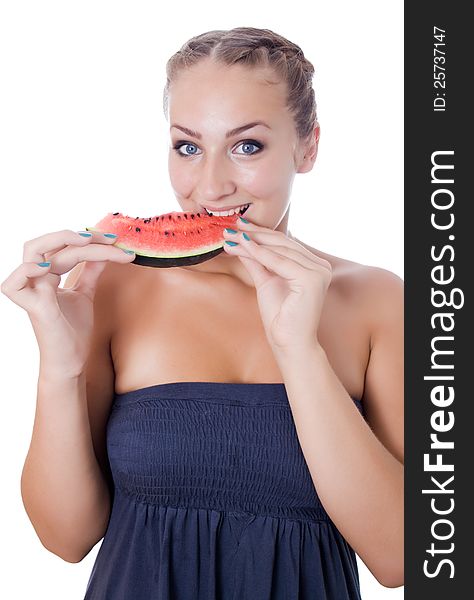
253 403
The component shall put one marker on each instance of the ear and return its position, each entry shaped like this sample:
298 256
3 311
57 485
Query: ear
309 151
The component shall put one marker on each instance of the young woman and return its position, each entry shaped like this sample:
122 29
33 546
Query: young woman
234 428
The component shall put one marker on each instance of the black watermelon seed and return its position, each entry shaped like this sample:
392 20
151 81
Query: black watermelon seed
137 229
167 232
147 220
173 234
192 216
115 214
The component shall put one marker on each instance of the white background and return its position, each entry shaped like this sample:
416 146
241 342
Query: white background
82 133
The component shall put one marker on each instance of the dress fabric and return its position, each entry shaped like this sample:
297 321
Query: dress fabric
213 500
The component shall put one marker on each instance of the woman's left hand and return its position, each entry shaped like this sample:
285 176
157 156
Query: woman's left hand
291 283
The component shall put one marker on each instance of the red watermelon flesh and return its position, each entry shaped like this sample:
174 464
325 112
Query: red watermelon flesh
169 240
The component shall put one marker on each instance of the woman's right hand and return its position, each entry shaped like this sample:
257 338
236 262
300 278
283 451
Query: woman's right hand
62 318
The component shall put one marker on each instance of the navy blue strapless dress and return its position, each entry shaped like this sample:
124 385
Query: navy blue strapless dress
213 500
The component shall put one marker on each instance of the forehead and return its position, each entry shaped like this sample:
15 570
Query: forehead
208 87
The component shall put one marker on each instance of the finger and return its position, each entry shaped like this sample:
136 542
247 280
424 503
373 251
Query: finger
16 285
278 262
67 258
88 278
287 251
259 274
264 235
35 250
246 225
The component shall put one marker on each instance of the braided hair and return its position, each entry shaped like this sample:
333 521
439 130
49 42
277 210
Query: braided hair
255 47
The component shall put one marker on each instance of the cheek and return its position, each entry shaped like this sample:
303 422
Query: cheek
267 180
180 179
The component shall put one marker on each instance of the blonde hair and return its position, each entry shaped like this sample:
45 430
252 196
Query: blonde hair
254 47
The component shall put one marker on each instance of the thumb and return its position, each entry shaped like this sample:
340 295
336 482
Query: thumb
87 280
256 270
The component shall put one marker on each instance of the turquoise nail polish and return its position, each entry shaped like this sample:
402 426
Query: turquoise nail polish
128 251
85 234
110 235
43 264
246 236
244 220
230 230
231 243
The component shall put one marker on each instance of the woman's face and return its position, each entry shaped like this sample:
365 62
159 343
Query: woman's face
210 165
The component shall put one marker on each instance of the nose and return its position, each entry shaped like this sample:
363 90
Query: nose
214 180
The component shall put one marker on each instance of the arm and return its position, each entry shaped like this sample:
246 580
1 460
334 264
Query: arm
357 467
63 486
63 489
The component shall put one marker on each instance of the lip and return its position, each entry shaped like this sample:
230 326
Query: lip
220 208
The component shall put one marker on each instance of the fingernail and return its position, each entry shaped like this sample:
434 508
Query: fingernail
231 243
231 230
244 220
43 264
246 236
128 251
84 233
110 235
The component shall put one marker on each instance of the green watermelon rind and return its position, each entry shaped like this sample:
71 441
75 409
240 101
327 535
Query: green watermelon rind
150 253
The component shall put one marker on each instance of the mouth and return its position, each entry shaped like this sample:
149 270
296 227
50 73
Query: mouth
231 211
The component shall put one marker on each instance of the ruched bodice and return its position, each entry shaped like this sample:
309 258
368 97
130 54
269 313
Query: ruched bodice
213 500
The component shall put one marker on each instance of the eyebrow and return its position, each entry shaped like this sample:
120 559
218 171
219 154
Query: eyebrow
229 134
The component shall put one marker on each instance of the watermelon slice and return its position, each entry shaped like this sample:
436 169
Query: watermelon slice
173 239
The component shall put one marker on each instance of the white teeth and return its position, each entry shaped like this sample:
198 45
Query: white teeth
227 213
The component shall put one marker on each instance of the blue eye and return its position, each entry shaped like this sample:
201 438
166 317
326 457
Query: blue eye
245 144
248 143
187 145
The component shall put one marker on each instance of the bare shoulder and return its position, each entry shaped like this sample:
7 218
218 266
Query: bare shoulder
374 298
375 289
380 291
